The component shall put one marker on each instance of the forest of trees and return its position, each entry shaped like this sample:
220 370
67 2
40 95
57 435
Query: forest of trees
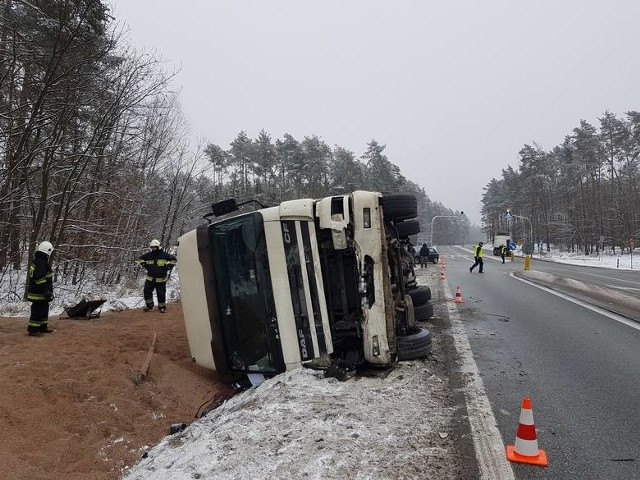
581 195
272 171
95 153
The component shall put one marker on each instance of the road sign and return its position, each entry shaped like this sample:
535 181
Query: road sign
527 248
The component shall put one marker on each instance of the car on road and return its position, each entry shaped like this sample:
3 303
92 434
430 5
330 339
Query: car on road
434 256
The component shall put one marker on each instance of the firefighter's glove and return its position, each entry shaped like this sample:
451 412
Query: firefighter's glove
48 296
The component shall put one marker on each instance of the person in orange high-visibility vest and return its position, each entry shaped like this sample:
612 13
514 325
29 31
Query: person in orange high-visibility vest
477 256
158 265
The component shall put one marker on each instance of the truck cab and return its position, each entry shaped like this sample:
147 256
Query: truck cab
500 239
268 290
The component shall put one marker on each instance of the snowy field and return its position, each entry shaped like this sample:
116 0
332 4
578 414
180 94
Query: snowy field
606 260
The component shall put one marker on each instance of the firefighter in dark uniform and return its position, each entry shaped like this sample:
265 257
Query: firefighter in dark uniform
40 290
158 265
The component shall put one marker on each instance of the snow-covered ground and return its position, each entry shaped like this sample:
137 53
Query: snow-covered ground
303 425
119 297
605 259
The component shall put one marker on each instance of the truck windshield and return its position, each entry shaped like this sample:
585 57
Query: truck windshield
245 295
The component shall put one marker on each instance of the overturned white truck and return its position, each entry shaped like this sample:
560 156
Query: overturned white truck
268 290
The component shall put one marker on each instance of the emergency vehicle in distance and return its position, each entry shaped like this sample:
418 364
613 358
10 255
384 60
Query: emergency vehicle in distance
500 239
267 290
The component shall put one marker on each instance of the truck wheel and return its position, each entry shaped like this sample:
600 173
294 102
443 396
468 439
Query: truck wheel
415 345
407 228
423 312
399 207
420 295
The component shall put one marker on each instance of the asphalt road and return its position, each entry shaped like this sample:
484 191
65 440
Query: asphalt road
580 367
624 281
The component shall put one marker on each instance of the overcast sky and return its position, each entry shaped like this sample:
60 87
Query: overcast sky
454 89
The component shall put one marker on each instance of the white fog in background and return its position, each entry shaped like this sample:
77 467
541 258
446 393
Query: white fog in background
454 89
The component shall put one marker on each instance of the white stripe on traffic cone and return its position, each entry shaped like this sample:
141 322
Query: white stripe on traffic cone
526 448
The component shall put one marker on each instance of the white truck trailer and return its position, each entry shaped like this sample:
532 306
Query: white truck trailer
500 239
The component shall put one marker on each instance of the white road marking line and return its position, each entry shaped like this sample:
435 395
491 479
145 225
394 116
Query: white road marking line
622 288
601 311
487 441
610 278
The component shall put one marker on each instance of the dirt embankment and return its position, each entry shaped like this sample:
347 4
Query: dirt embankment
71 405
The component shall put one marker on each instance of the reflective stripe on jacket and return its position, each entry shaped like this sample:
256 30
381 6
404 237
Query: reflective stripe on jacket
158 264
157 280
40 278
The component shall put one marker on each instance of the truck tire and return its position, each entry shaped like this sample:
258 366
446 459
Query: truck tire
416 344
423 312
420 295
407 228
418 352
399 207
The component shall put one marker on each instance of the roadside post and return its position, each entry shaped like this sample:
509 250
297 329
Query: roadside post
632 245
527 249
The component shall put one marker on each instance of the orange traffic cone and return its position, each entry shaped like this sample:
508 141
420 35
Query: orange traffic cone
458 298
442 274
526 446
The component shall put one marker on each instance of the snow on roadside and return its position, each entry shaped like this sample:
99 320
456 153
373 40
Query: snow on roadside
124 296
605 259
301 425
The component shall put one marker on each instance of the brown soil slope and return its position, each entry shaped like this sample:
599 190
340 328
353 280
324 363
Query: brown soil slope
72 405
